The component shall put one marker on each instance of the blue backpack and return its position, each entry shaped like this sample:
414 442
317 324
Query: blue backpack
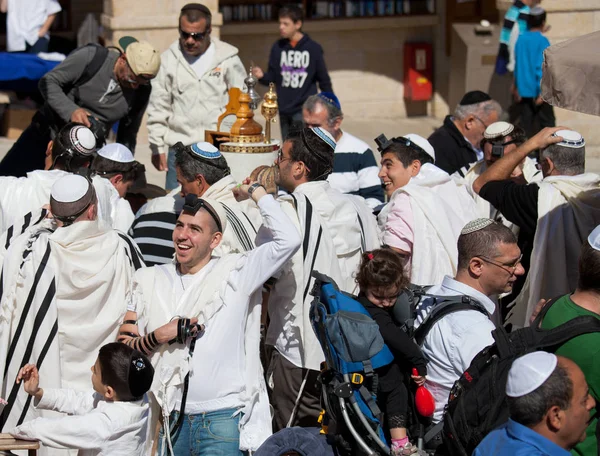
353 348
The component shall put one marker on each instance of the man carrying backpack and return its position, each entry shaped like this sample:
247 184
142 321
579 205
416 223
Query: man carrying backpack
489 262
549 403
92 86
584 349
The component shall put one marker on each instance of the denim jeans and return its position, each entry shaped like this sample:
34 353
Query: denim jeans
206 434
171 182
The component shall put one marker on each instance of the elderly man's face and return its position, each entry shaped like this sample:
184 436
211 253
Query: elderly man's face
319 117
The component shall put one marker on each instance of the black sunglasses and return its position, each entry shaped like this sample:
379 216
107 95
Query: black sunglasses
197 36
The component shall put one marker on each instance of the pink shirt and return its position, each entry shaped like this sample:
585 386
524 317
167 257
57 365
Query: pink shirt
398 230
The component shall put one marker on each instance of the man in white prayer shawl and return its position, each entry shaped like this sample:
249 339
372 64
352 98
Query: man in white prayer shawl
115 168
22 198
203 171
64 290
337 228
426 209
562 210
210 386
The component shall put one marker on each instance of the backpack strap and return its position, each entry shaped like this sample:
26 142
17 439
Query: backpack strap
443 306
100 55
568 330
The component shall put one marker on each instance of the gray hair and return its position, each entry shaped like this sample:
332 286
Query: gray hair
530 409
483 242
191 167
567 160
483 110
333 113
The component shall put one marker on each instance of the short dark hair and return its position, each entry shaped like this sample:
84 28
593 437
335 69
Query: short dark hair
483 242
293 12
125 370
589 268
193 12
190 167
536 21
107 168
530 409
568 161
61 158
307 148
381 268
407 153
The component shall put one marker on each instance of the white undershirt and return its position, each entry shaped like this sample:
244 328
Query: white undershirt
216 378
201 64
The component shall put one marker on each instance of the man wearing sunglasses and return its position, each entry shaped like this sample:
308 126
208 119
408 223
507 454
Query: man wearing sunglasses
191 90
556 213
94 86
457 142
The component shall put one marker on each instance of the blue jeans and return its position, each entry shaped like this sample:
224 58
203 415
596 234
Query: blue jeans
171 182
206 434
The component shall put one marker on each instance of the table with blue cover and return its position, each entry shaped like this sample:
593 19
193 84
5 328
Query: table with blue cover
20 72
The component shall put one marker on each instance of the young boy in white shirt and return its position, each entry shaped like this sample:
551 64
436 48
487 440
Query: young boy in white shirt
111 420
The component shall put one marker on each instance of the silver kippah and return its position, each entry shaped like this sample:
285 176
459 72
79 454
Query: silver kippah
476 225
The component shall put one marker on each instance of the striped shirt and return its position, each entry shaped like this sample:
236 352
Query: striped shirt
355 170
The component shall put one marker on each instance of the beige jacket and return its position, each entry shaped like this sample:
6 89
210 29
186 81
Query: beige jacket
182 106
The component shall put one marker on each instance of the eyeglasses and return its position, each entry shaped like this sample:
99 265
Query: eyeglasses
510 268
137 79
197 36
281 158
482 122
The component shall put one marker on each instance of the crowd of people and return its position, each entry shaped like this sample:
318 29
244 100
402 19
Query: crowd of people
193 312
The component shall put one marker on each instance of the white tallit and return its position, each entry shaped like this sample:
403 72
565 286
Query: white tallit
290 330
155 304
109 200
28 194
440 211
568 211
68 298
484 208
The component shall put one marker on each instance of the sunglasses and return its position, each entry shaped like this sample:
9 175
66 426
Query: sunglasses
197 36
137 79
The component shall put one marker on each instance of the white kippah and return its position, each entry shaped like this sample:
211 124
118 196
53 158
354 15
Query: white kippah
594 238
529 372
476 225
82 139
536 11
422 143
205 150
70 188
570 138
116 152
498 130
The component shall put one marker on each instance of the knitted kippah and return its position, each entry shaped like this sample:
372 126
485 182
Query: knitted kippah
476 225
329 97
474 97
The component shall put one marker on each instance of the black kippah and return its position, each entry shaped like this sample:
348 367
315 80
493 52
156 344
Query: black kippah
141 374
474 97
198 7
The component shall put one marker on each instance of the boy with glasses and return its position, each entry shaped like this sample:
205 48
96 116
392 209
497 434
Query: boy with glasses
191 91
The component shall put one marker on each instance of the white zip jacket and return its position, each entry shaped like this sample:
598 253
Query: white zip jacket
182 106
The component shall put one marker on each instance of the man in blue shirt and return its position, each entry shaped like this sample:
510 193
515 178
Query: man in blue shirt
536 114
549 406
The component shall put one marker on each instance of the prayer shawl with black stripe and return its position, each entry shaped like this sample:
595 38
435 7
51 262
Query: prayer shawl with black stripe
64 294
290 330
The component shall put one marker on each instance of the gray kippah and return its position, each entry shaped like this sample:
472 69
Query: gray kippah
476 225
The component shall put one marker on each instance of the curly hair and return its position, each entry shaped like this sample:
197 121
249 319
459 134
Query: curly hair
381 268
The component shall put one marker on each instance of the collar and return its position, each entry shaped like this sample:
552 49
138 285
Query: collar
463 289
532 438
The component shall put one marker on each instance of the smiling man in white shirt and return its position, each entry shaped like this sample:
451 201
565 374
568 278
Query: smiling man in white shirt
489 262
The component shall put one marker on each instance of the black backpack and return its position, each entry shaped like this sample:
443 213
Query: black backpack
477 401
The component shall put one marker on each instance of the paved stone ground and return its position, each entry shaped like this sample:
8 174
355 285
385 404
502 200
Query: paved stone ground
367 130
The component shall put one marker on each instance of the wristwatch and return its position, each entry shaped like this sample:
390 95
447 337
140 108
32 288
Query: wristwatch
253 187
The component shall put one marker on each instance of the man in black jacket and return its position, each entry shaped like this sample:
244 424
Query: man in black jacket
457 142
92 86
296 65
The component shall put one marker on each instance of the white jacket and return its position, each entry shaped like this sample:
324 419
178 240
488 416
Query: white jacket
182 106
94 426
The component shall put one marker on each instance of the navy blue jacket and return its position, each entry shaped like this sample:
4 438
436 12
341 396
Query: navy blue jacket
296 72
